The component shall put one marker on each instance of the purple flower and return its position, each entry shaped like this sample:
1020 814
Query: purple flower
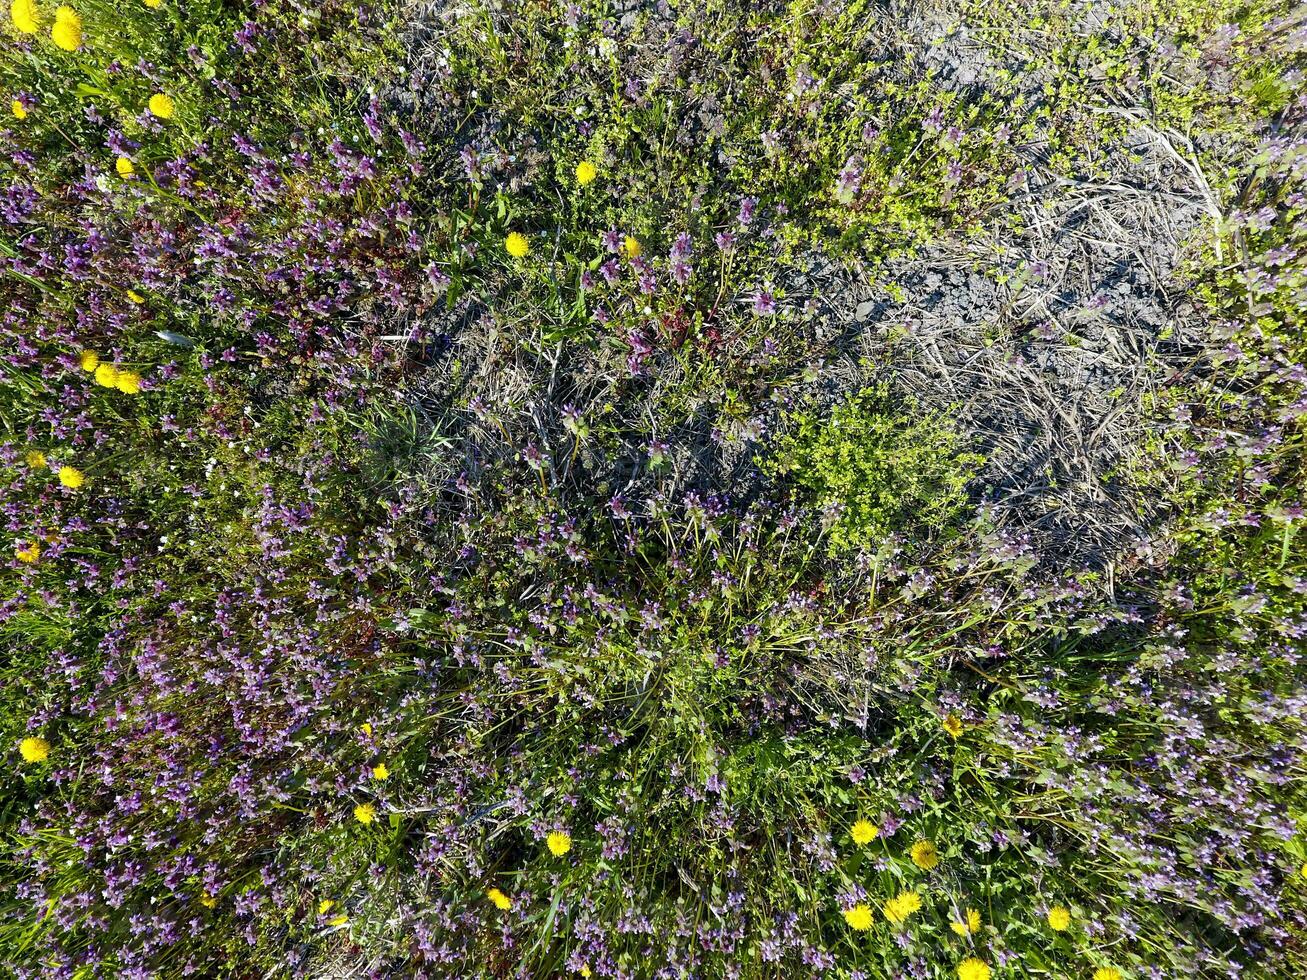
372 119
849 181
471 162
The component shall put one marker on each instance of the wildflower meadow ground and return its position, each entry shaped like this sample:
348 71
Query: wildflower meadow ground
653 489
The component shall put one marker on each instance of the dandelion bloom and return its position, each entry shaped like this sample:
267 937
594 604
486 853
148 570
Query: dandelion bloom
29 554
632 247
1059 918
379 771
135 297
924 855
863 832
953 725
67 29
124 167
365 728
128 382
20 110
973 969
1107 973
325 906
585 172
517 245
560 842
35 459
153 4
859 917
365 813
89 360
500 900
34 749
23 14
162 106
968 924
901 906
71 477
208 900
106 375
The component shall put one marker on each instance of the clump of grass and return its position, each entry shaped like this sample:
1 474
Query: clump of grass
876 467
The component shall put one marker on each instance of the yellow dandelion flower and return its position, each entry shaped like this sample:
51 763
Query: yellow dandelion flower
632 247
559 842
34 749
135 297
859 917
365 813
35 459
365 728
339 920
153 4
89 360
162 106
106 375
30 554
20 110
901 906
1107 973
71 477
67 30
863 832
968 924
585 970
208 901
128 382
973 969
516 245
124 167
585 172
23 14
325 906
1303 869
953 725
500 900
924 855
379 771
1059 918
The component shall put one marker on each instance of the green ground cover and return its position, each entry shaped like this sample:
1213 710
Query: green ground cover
537 489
